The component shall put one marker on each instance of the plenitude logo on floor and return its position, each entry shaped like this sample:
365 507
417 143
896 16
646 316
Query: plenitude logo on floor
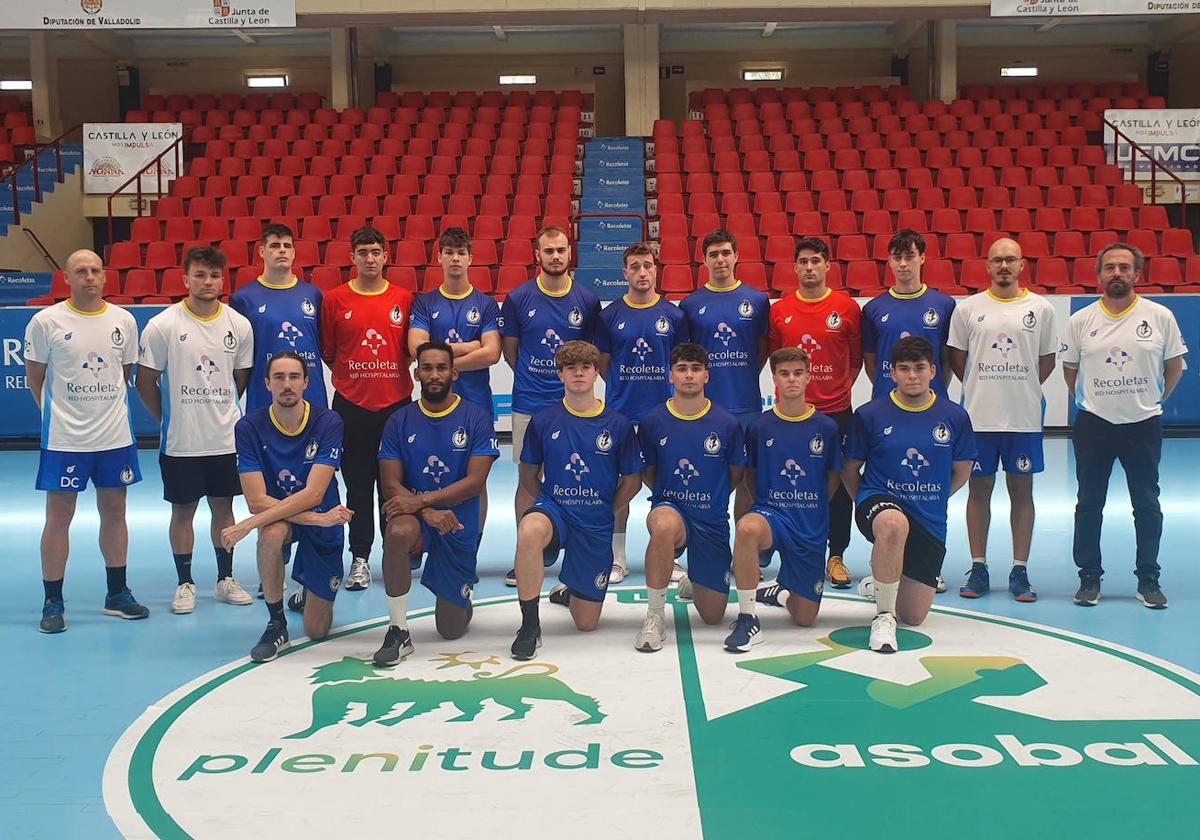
1035 725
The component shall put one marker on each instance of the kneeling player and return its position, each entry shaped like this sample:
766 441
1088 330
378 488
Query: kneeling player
795 463
918 449
694 457
581 463
434 462
287 455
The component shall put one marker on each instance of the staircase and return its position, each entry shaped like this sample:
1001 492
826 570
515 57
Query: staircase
47 166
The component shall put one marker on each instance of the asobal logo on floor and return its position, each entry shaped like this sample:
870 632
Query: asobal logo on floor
1031 725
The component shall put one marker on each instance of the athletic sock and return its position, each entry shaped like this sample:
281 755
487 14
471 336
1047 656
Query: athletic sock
116 579
224 564
782 596
746 602
657 599
529 613
54 589
982 561
276 611
398 610
1017 562
885 596
183 568
618 546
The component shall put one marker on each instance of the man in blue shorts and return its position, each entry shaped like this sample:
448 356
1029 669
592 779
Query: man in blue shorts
434 462
580 463
694 458
78 357
795 462
918 449
287 455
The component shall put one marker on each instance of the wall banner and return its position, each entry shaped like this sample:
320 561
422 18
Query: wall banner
1171 136
1066 8
114 152
148 14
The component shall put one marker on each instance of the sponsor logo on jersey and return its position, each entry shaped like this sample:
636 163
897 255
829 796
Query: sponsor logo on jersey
1003 344
473 315
915 461
604 441
792 471
724 334
641 349
207 367
817 445
941 433
306 306
1118 358
577 467
1029 321
662 326
396 315
230 340
310 451
373 341
435 468
575 317
712 443
931 317
552 342
1144 330
289 332
288 482
96 364
686 471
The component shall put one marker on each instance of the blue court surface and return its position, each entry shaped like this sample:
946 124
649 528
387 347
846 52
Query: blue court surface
994 717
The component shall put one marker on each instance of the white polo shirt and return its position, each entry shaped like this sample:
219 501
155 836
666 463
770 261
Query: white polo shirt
1120 358
1004 340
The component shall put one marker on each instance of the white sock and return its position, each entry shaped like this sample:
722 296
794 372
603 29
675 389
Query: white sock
657 599
885 596
782 597
1020 562
618 545
746 602
398 610
980 560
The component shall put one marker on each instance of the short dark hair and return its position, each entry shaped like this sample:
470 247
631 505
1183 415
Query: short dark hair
454 237
906 240
912 348
435 345
1139 259
688 351
552 230
637 249
287 354
717 237
205 255
784 355
812 243
278 231
367 236
577 353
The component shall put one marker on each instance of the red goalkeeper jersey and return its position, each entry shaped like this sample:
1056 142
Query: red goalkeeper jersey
830 329
364 340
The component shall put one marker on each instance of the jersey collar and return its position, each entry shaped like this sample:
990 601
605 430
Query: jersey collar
803 299
209 319
1024 294
292 281
548 293
470 291
1123 312
300 428
436 414
903 407
696 416
79 311
737 284
633 305
575 413
812 409
358 291
909 295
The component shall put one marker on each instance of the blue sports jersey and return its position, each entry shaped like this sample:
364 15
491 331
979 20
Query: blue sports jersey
909 454
455 320
639 339
692 456
729 324
583 458
893 316
285 460
542 323
436 449
791 457
282 318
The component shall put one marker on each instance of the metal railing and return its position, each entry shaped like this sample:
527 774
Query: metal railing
12 173
175 148
1155 166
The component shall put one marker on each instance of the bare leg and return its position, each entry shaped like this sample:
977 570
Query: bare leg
979 513
533 536
1021 514
181 535
666 537
586 613
452 620
271 539
221 510
114 533
403 536
914 601
803 611
890 530
318 617
710 604
56 534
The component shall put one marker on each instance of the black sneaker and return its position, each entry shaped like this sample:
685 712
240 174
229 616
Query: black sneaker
273 640
297 600
510 579
397 644
53 620
1089 592
528 640
1150 595
560 595
124 605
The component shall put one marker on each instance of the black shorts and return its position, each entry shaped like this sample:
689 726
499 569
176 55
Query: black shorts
923 552
187 480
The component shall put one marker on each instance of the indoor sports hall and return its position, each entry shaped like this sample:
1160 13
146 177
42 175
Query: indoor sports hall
142 130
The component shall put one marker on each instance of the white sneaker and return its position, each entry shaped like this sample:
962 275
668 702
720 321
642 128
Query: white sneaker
229 591
684 590
677 573
653 634
883 634
185 599
866 587
940 586
617 574
360 575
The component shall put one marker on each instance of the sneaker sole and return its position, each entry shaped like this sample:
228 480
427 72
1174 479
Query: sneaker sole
840 584
648 647
754 640
273 656
884 649
119 614
1142 601
1025 598
1083 602
175 610
356 587
970 594
233 601
530 656
52 632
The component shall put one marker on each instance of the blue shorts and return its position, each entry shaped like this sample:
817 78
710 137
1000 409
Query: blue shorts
801 565
587 551
1019 452
709 558
450 570
318 567
69 472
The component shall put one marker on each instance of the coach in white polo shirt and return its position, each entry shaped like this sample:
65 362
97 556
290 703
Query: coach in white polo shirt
194 363
1122 356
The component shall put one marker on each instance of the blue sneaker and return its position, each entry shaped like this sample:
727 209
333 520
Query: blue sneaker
747 632
978 583
1018 585
124 605
769 594
53 620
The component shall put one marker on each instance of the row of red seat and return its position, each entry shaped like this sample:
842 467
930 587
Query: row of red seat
1033 90
251 186
897 93
903 157
393 131
297 166
1029 161
487 98
365 147
781 141
506 205
313 101
328 117
930 109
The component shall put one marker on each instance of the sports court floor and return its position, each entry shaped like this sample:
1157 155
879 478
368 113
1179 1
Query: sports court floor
687 738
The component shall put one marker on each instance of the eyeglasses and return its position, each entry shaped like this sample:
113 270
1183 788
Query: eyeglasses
1003 260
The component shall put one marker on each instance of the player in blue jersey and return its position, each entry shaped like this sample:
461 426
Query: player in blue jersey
434 462
635 337
284 314
580 463
795 462
908 308
287 455
537 318
731 321
694 458
918 449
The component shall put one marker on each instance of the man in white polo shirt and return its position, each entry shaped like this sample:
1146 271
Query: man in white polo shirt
194 362
1122 357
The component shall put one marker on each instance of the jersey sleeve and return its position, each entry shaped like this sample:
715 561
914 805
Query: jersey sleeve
419 318
483 438
958 329
870 338
591 322
750 445
37 343
329 443
246 442
237 302
646 435
858 438
949 306
531 451
1173 344
1048 341
327 328
683 330
490 321
631 460
854 338
153 348
389 443
774 338
833 451
737 446
602 338
762 326
130 349
964 441
245 355
1068 351
509 327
